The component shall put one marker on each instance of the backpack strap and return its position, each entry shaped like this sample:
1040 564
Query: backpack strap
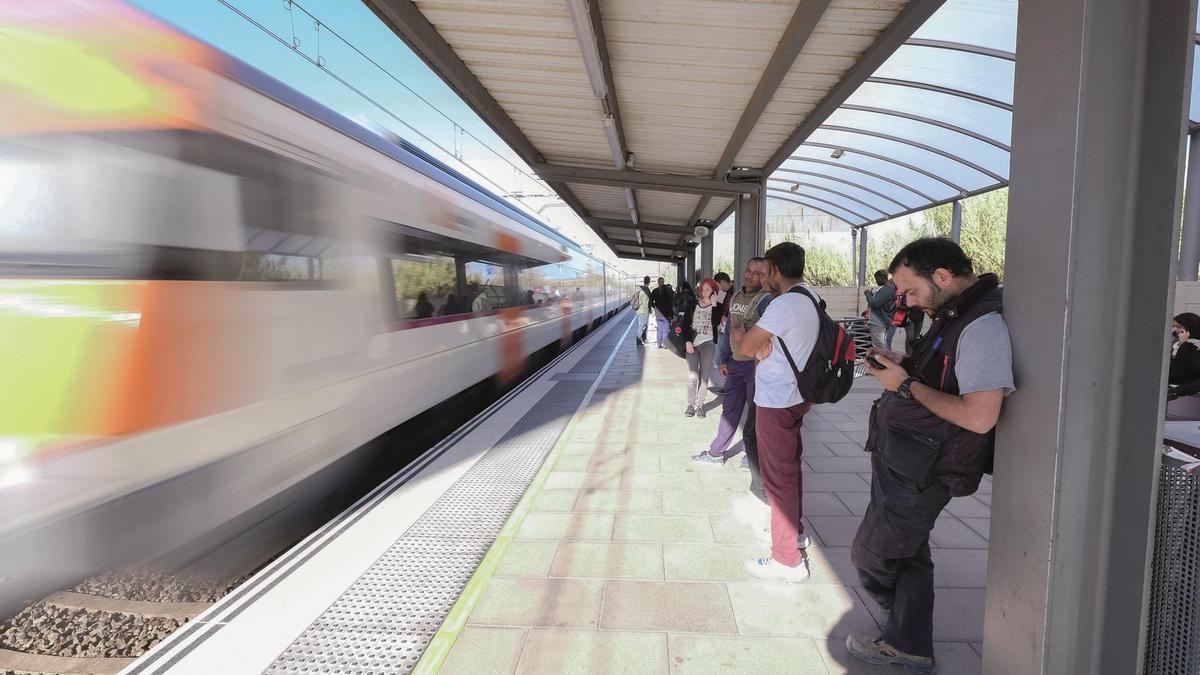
792 362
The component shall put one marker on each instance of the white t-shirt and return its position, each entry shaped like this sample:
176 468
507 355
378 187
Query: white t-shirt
702 324
792 318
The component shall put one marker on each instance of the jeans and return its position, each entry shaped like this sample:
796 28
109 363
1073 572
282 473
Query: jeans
780 451
643 320
890 335
891 552
699 364
662 326
739 396
879 336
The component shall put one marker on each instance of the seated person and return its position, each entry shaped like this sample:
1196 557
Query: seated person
1184 377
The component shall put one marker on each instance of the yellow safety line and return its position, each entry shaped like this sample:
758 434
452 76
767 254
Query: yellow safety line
439 647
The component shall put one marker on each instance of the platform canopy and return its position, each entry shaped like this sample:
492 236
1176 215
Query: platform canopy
649 118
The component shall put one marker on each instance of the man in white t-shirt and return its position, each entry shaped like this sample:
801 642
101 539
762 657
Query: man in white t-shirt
791 320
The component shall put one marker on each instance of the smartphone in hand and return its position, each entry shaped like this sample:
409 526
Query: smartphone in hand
873 363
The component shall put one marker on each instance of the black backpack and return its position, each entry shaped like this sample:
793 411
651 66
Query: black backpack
829 372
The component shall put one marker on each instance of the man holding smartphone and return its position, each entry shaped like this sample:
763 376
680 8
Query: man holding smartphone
932 438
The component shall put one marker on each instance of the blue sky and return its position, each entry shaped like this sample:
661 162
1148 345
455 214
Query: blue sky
220 26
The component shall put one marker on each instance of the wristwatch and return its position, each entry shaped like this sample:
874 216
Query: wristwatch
904 391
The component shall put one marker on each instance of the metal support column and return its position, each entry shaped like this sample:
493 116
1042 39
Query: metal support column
706 255
1189 254
862 257
750 236
956 221
1097 152
680 273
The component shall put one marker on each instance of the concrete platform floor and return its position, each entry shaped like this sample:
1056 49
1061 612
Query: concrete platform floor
630 560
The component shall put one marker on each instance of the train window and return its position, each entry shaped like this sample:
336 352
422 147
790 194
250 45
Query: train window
426 286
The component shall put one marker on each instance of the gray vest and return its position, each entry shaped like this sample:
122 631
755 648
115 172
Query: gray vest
743 313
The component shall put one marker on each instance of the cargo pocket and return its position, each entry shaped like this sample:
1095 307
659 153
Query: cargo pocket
911 453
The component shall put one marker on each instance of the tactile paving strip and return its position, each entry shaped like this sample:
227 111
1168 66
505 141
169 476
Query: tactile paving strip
385 620
1173 619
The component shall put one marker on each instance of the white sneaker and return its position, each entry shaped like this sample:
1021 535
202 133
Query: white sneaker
764 535
771 570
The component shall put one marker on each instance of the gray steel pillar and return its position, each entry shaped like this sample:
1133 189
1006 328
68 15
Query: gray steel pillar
1189 254
690 269
750 233
1097 152
956 221
862 257
680 273
706 256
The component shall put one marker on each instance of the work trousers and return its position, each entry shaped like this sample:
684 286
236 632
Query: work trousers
780 448
891 552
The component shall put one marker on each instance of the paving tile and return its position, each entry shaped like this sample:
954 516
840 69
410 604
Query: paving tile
708 562
835 482
852 426
622 501
696 654
959 568
558 603
798 610
482 649
663 529
661 481
818 450
729 481
832 565
846 449
527 558
577 479
952 658
590 526
855 501
840 464
708 502
555 501
590 652
978 647
958 614
985 498
824 504
667 606
969 507
949 532
835 530
580 446
826 437
981 526
608 560
814 422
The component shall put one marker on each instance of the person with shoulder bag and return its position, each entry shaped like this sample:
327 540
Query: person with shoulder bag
931 438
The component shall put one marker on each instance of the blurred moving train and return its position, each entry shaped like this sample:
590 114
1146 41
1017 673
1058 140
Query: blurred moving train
198 263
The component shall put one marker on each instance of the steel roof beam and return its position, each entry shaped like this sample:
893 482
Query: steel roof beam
641 225
929 120
856 200
641 180
914 14
818 208
913 84
800 27
884 158
915 144
843 181
787 195
963 47
865 172
408 23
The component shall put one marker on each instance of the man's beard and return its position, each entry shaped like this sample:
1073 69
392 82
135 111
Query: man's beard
937 298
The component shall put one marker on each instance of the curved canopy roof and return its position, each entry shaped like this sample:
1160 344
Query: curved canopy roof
930 125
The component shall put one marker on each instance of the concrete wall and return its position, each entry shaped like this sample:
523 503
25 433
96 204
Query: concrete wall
848 301
1187 297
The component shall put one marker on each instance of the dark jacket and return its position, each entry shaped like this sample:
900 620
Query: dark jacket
1185 370
663 300
906 433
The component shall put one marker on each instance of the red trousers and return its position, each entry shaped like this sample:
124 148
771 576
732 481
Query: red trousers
779 450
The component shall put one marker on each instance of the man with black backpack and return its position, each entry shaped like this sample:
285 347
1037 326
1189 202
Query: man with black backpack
931 438
794 320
